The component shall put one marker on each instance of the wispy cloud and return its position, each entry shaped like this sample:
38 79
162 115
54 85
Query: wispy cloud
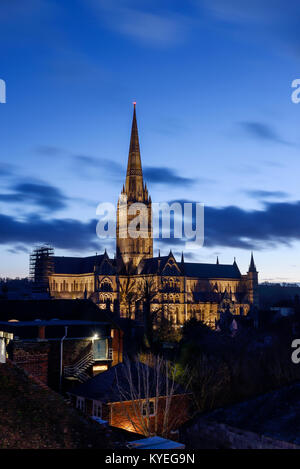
263 132
48 150
7 170
67 234
263 195
145 25
42 195
89 166
90 162
278 223
166 176
276 22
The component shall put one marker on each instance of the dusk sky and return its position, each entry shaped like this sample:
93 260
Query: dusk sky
212 81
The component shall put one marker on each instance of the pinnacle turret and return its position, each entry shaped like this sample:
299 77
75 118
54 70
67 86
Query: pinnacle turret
252 266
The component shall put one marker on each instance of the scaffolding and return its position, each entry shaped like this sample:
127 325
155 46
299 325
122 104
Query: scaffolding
41 266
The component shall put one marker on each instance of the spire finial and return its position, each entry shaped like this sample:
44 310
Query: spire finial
218 260
182 258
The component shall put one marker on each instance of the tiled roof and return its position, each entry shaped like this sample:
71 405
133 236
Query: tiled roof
192 269
105 386
34 417
29 310
76 265
153 265
213 271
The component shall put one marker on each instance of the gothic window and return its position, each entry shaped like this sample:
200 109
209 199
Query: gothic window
106 285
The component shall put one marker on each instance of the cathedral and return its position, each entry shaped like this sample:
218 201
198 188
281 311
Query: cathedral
135 282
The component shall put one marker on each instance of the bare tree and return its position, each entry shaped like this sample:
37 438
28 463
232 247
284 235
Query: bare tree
152 400
129 294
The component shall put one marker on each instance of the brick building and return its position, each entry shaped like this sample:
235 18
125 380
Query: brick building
61 342
128 396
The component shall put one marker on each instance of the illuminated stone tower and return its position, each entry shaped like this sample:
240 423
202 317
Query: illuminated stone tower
133 249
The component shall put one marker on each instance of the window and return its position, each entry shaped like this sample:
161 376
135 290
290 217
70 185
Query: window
100 349
150 406
80 403
97 409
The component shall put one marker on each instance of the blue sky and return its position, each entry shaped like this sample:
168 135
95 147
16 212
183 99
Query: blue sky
212 80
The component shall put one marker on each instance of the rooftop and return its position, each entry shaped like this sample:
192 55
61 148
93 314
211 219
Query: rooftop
275 414
106 386
34 417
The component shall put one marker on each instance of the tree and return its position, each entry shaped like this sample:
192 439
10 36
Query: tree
129 294
153 401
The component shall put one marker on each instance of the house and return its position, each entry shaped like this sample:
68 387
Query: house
32 416
61 342
134 397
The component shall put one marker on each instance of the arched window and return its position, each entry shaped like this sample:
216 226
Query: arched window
106 286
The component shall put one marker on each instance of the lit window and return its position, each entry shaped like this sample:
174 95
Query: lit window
149 406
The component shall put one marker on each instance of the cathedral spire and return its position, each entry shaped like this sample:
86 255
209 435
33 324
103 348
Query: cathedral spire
131 250
134 186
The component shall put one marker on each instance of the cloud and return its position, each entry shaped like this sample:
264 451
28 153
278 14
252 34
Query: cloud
48 150
19 248
235 11
89 166
66 234
166 176
278 223
7 170
43 195
149 27
19 11
275 23
90 163
261 194
262 131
